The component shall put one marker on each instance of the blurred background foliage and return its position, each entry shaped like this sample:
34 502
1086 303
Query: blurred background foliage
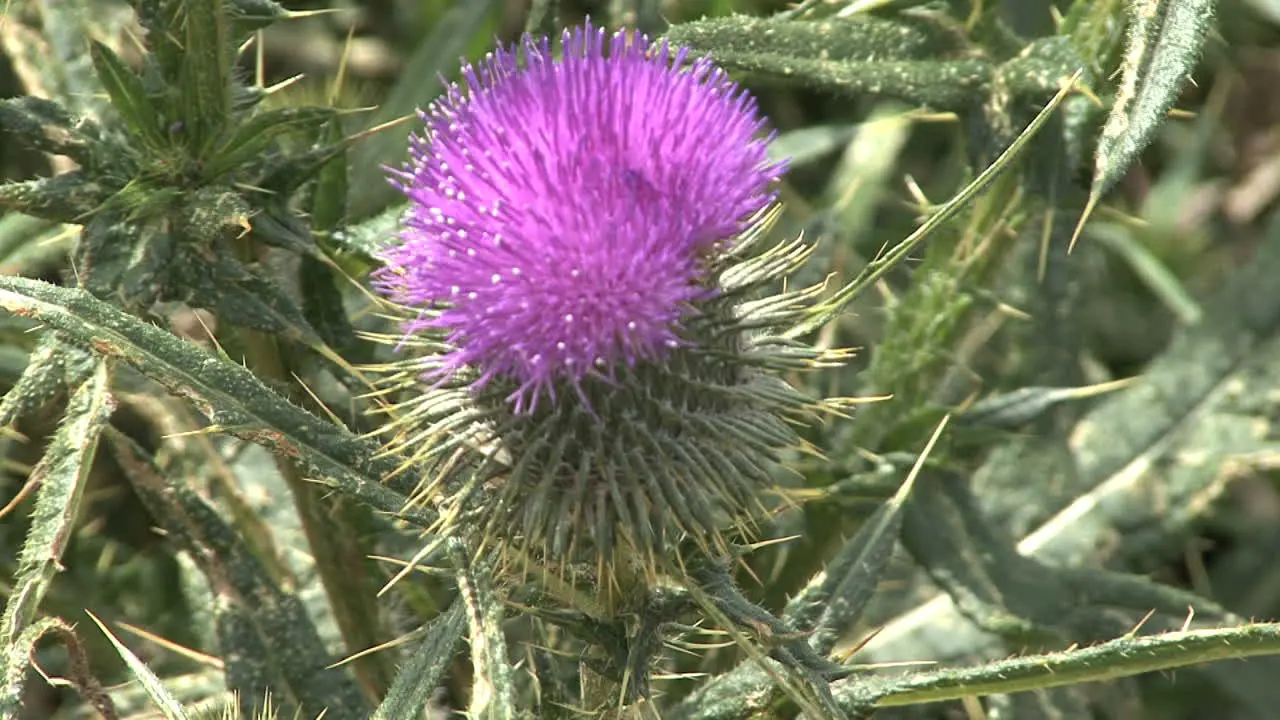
1108 474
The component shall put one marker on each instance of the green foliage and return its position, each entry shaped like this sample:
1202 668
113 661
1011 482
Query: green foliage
1059 486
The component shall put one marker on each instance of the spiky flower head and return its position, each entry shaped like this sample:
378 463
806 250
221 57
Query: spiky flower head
574 271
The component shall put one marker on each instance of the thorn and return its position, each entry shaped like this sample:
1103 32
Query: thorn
1084 218
1134 632
27 488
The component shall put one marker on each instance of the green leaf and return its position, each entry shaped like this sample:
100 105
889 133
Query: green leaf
252 137
19 231
234 399
65 198
240 295
834 601
61 476
169 706
935 84
1201 407
493 696
417 681
827 607
370 235
325 310
123 261
277 225
1018 408
861 38
1095 32
47 127
285 174
1165 40
329 199
268 640
129 97
195 56
808 144
875 269
250 15
51 368
1120 658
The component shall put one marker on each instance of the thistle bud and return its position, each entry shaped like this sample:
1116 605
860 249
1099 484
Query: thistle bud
590 360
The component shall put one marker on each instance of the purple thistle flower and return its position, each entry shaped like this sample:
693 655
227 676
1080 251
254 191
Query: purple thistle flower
562 212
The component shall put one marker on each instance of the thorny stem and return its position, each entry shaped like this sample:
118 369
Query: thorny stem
618 594
1123 657
339 559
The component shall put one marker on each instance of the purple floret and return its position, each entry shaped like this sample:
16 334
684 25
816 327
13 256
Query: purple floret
562 210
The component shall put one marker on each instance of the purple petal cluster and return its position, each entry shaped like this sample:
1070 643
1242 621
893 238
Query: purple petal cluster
562 210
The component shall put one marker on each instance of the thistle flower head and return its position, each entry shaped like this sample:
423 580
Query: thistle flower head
593 338
561 212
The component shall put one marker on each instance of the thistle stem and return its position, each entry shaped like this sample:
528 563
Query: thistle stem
340 562
622 587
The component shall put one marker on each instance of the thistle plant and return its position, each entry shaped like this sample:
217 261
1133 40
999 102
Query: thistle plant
595 341
557 423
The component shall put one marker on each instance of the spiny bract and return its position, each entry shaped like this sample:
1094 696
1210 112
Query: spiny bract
589 364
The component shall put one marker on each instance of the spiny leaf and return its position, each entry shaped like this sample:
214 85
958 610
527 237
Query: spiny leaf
493 694
231 396
882 264
264 632
51 368
939 85
1194 415
1017 408
61 476
1095 31
169 706
418 679
857 38
276 225
1164 45
329 199
125 262
250 15
252 137
241 296
47 127
851 577
828 606
65 198
1124 657
371 234
129 97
